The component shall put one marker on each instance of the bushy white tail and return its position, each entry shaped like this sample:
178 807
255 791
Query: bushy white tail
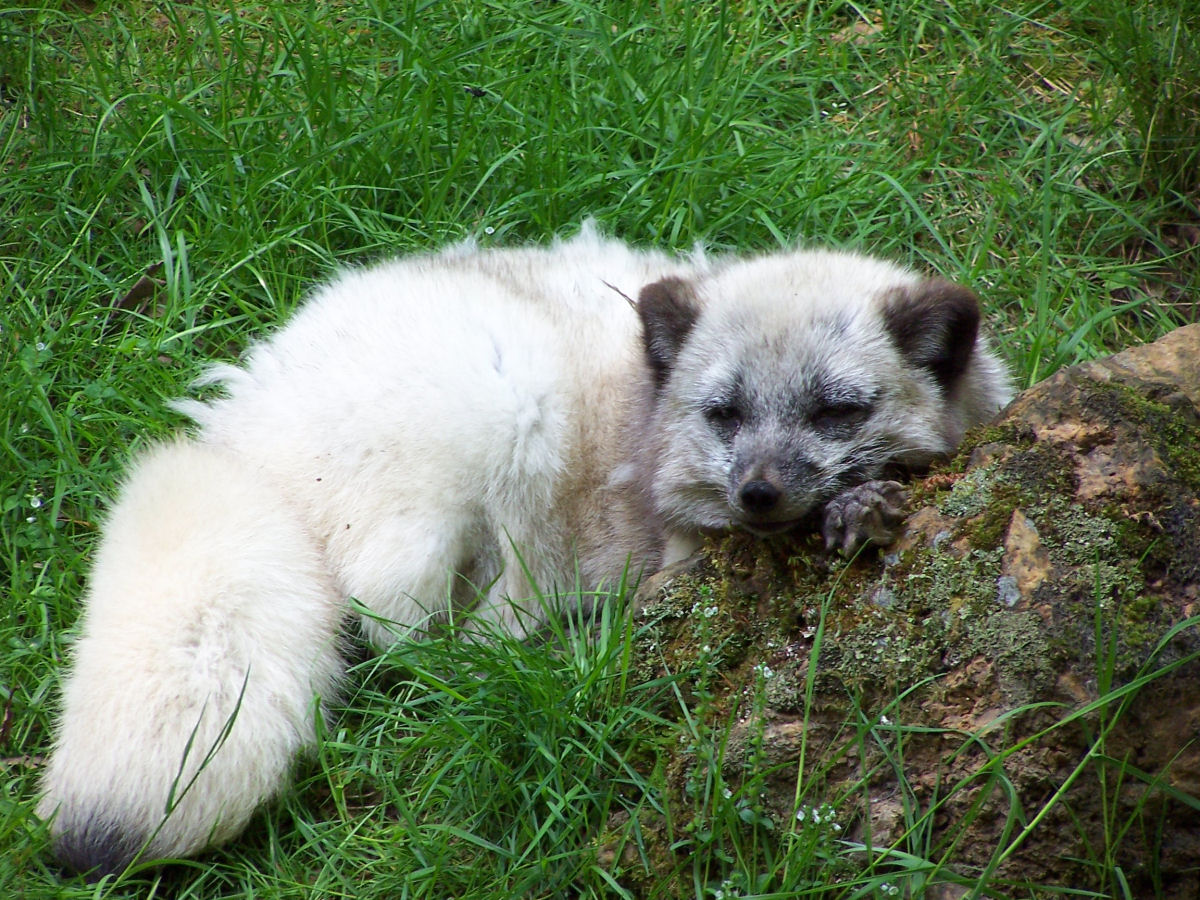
209 635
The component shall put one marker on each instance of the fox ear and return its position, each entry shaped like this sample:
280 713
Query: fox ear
668 311
935 325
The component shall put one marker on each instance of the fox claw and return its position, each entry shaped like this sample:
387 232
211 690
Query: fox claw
873 511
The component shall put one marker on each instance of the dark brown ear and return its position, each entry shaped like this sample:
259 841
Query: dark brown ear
668 311
935 325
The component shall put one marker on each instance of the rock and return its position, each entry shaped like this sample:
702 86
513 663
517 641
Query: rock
1020 672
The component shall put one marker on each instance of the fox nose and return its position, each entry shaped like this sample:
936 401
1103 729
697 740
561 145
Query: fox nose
759 497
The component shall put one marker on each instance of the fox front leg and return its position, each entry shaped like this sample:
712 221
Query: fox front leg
873 511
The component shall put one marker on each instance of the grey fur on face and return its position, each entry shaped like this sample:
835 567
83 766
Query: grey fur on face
861 370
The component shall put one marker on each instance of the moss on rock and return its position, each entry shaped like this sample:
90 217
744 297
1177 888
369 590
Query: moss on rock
1041 567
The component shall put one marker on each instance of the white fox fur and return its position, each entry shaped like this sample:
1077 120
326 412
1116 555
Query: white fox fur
421 422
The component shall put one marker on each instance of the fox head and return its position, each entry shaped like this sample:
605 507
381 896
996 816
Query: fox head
783 380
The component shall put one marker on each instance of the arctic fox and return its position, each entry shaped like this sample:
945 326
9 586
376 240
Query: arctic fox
451 430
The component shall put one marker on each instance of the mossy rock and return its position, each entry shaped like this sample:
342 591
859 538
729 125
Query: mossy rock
1024 660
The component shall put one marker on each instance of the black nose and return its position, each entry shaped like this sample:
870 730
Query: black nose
759 496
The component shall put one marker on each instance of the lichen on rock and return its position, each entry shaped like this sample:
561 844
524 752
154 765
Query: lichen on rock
1032 630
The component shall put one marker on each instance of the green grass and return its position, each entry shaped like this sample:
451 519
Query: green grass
1045 153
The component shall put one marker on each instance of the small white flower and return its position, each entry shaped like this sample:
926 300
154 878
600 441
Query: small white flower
710 612
40 345
489 230
818 815
726 793
35 501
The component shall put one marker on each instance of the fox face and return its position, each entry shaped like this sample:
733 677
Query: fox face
783 381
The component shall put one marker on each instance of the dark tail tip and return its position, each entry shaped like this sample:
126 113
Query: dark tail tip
95 848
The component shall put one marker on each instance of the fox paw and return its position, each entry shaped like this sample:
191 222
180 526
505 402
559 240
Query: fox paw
873 511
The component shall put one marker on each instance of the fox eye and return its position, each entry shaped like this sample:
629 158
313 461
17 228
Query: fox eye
840 415
724 416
